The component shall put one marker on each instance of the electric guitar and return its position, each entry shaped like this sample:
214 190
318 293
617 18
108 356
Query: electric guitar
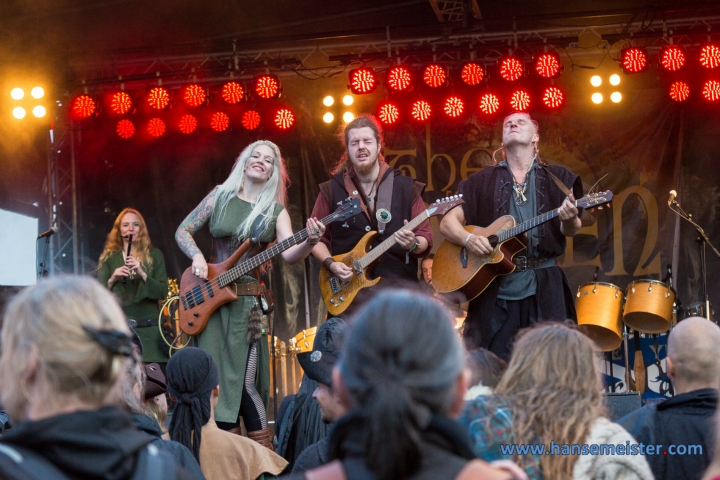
337 294
456 269
199 298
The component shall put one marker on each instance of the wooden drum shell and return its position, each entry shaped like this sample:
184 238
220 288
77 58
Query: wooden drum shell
649 306
599 311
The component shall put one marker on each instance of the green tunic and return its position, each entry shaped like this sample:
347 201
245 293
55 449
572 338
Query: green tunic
139 300
225 336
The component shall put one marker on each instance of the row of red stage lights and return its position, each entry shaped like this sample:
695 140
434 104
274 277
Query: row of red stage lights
488 104
401 78
160 98
156 127
671 58
680 91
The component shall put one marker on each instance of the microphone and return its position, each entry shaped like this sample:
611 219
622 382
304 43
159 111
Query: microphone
672 197
52 231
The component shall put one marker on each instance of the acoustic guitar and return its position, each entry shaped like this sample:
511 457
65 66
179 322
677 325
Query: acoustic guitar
337 294
199 298
456 269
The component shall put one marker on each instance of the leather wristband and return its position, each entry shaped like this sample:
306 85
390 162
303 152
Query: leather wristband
327 262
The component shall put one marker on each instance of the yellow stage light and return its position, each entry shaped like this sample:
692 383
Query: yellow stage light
597 98
616 97
348 100
614 79
328 117
348 117
37 92
39 111
17 93
328 101
19 113
595 81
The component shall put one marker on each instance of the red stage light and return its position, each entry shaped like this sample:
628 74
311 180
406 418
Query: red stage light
399 79
489 103
634 59
194 95
121 103
434 75
679 91
187 124
472 74
267 86
219 121
511 69
158 98
711 90
232 93
454 107
125 129
156 127
284 118
672 58
363 80
388 113
83 106
421 110
520 101
548 65
251 120
553 97
710 56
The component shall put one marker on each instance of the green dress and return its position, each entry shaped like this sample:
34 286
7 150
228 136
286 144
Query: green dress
139 299
225 336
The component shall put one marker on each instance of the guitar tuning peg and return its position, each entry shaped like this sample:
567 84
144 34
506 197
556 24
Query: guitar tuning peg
460 195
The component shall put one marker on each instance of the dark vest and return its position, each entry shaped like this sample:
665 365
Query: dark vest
344 238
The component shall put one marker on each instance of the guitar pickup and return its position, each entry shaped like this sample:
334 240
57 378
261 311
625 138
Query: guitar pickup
184 302
463 257
335 285
197 295
208 285
189 298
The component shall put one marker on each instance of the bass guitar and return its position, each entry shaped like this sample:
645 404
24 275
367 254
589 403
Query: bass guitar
199 298
338 294
456 269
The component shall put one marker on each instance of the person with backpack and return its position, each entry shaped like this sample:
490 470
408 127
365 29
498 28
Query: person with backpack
66 346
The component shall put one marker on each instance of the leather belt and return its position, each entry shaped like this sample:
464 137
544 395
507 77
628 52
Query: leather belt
152 322
523 263
248 289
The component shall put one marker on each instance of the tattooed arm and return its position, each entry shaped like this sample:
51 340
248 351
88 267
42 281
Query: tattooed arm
192 223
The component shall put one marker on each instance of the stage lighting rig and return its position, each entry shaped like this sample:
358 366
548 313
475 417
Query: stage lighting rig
434 75
548 65
219 121
121 102
363 80
158 98
267 86
83 106
454 106
187 124
672 58
232 93
125 129
472 74
421 110
399 79
710 56
156 127
520 100
679 91
251 120
511 69
284 119
388 113
634 60
711 91
489 103
553 97
194 95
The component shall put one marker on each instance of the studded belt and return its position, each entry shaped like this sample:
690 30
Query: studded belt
523 263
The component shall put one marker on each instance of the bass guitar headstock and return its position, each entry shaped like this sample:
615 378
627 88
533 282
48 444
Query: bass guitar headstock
444 205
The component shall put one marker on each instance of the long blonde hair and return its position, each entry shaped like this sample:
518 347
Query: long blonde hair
141 244
274 190
554 391
44 325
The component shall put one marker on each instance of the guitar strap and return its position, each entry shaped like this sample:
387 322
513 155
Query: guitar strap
384 201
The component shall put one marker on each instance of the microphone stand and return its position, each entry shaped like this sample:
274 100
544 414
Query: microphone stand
702 241
41 270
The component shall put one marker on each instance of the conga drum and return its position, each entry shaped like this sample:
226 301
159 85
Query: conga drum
649 306
599 312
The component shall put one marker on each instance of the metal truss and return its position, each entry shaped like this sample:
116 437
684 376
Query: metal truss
314 58
61 190
454 10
